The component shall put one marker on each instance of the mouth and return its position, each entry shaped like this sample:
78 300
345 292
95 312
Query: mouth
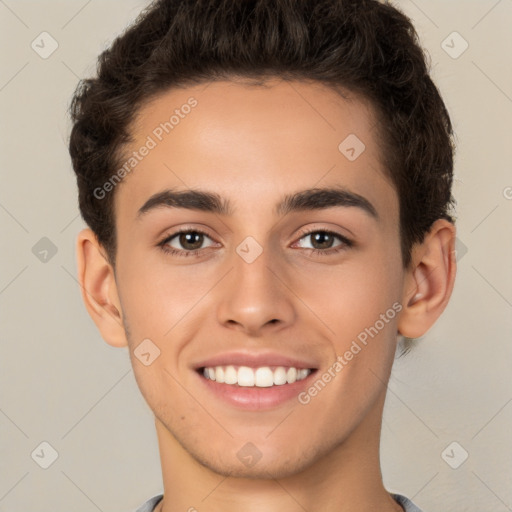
260 377
258 388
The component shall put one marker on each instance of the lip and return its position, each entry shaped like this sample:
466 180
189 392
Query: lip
255 398
255 360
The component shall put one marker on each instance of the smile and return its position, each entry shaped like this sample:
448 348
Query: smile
262 377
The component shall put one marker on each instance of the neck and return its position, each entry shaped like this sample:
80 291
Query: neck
344 479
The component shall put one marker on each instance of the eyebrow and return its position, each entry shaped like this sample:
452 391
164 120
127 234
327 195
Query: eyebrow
309 199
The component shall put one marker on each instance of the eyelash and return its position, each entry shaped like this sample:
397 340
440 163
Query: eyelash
346 243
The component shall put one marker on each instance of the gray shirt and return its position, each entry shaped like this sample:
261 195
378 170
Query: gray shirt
406 503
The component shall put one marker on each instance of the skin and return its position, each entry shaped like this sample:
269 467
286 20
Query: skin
253 145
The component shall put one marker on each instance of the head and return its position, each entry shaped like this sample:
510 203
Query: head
255 103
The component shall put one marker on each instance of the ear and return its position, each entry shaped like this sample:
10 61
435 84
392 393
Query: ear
99 290
429 282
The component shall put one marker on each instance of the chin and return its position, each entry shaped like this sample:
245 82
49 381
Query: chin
269 470
267 464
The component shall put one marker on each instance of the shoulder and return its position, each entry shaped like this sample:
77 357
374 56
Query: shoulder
406 503
150 505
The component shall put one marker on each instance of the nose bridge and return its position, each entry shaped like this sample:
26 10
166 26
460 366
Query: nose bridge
254 298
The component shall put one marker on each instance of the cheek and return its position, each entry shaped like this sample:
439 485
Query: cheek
351 296
360 306
156 295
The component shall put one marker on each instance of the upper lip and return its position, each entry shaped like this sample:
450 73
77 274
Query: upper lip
255 360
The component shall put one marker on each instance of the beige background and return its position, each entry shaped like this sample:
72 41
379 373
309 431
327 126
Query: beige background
61 384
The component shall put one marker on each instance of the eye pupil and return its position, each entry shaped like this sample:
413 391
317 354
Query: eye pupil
321 237
187 240
193 240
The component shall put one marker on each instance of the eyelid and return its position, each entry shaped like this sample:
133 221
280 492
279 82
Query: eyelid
185 229
345 242
309 231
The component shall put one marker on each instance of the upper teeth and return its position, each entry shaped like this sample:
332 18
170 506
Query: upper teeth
261 377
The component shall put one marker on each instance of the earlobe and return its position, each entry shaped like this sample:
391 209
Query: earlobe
99 289
430 280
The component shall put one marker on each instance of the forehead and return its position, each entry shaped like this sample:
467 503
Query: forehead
249 142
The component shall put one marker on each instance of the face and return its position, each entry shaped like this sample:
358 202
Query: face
259 281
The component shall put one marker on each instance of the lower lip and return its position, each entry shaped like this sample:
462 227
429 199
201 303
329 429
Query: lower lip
256 398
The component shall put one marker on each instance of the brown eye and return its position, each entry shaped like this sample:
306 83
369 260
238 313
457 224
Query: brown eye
186 241
191 240
322 240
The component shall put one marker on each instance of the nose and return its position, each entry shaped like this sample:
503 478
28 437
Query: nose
255 298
